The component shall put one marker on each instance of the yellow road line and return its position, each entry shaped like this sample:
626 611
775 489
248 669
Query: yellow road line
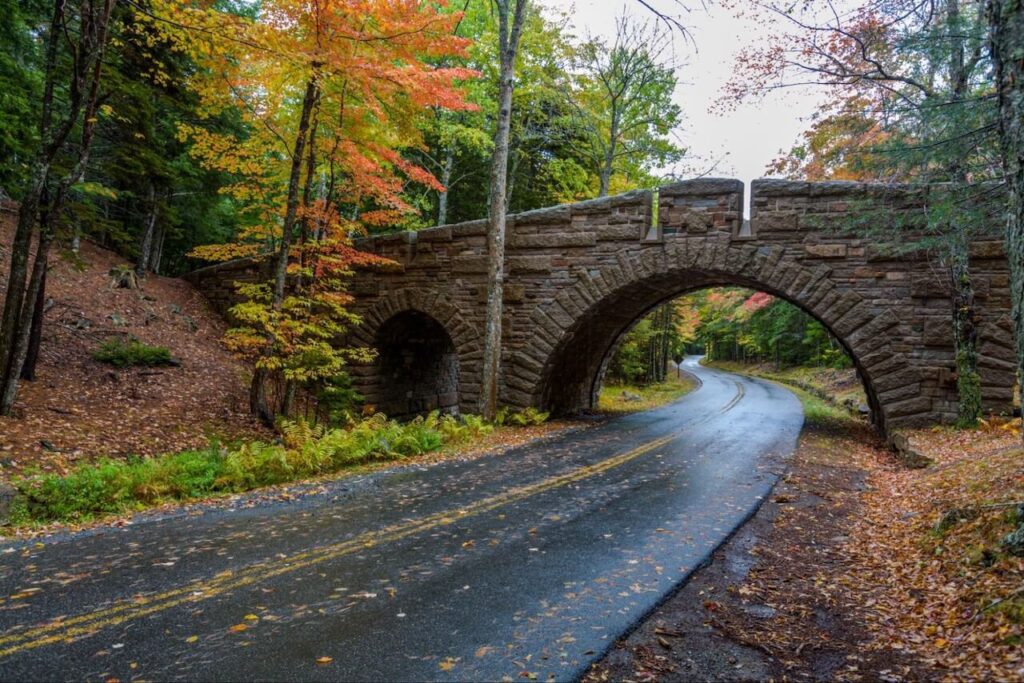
740 393
63 630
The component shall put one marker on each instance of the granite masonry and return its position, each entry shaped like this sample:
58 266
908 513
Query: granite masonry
578 276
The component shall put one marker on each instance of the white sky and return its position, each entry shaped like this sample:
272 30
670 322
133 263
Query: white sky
741 142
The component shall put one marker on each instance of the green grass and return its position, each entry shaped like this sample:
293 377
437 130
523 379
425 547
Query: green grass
820 412
612 398
125 354
107 487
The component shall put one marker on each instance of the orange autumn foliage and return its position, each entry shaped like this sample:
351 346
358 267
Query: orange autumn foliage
330 92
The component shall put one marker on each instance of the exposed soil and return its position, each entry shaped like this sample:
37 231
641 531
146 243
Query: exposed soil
767 606
81 409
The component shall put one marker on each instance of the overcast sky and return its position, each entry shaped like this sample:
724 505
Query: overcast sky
742 142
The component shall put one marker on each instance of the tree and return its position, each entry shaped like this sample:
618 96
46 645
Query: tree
79 34
21 76
510 25
1006 26
625 101
914 104
330 93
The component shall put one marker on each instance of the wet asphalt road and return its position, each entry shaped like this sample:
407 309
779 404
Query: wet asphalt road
524 565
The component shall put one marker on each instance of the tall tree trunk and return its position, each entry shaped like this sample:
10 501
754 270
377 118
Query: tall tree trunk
21 342
1006 23
608 163
965 332
509 45
34 197
446 178
84 99
158 249
18 273
146 246
257 389
35 339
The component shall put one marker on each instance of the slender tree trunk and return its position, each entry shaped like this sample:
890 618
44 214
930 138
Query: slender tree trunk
965 334
257 389
1006 23
146 247
35 339
288 401
18 273
606 171
446 177
34 197
21 345
608 163
158 250
20 305
509 46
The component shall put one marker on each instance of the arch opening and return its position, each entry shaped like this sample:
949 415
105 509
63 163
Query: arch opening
575 371
417 366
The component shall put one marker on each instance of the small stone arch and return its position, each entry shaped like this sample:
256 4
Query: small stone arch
577 330
427 355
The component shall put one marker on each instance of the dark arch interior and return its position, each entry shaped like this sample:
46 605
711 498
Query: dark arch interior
418 368
576 367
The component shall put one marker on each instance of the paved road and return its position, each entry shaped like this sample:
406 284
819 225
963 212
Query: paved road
527 564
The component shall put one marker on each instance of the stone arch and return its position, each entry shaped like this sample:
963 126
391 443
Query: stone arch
577 330
428 355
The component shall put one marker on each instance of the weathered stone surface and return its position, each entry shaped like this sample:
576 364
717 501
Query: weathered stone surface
529 264
826 250
554 240
579 275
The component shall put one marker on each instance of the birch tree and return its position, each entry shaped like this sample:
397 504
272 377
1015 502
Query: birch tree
511 14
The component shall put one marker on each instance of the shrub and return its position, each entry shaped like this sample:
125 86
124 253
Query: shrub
305 450
123 354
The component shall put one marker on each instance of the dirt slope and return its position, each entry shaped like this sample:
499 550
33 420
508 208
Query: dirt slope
83 409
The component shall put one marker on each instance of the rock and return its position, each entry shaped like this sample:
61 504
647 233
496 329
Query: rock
630 396
1013 542
907 453
7 495
123 277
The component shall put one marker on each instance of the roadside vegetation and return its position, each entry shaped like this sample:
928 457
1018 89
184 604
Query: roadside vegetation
304 451
835 386
631 398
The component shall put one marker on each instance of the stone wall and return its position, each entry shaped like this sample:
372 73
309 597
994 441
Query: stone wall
579 275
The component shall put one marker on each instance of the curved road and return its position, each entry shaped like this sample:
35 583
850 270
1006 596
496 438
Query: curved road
527 564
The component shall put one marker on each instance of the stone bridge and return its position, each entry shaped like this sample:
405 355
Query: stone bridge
578 276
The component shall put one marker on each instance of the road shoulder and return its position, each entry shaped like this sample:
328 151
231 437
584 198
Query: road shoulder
766 606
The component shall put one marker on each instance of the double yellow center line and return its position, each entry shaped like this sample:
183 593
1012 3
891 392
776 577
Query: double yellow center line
62 630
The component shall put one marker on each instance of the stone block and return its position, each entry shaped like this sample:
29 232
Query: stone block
529 264
469 264
825 250
554 240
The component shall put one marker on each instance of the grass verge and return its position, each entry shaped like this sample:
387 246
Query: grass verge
839 387
630 398
111 487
